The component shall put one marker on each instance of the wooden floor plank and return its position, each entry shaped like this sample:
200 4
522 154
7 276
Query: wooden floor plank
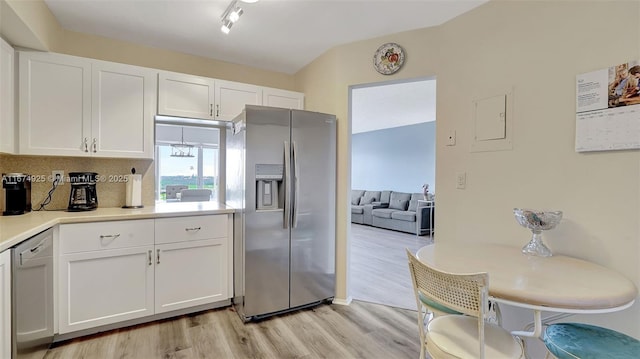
360 330
378 265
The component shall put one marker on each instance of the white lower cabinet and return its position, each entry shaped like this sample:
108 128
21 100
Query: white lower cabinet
190 274
105 287
110 272
192 261
105 273
5 304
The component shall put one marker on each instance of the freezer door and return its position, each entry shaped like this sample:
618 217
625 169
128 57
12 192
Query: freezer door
266 242
313 141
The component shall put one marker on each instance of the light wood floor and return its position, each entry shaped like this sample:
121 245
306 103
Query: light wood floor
360 330
379 270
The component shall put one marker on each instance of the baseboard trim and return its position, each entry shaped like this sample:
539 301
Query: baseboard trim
340 301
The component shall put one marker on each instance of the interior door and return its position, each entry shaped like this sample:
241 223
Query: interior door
313 138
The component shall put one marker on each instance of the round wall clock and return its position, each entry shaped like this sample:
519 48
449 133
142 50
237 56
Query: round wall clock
388 58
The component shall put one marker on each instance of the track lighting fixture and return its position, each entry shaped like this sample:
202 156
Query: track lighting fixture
232 14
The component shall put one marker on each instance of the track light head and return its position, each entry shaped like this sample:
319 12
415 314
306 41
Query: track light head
226 26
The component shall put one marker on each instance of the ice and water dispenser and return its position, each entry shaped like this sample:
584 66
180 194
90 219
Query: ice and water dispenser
269 186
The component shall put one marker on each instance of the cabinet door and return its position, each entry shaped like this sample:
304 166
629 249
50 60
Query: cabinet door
190 274
185 96
282 98
231 97
123 109
54 104
5 304
104 287
7 88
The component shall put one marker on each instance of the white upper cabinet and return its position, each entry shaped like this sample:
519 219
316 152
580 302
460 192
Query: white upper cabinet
282 98
123 98
72 106
7 89
184 95
54 104
231 97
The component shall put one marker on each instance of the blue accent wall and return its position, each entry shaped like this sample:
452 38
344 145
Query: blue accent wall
397 159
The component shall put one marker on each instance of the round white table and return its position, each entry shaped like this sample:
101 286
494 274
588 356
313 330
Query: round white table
555 284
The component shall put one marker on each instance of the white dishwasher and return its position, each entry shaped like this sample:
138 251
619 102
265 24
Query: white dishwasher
32 291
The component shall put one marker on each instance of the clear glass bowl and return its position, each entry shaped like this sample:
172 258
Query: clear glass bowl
537 221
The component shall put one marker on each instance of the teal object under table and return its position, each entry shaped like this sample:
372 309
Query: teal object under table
584 341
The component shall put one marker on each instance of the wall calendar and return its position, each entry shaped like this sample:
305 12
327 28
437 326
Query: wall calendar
608 108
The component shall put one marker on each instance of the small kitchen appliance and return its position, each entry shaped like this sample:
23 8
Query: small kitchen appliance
83 195
17 193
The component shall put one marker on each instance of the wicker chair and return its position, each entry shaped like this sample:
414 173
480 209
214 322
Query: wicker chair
427 309
460 336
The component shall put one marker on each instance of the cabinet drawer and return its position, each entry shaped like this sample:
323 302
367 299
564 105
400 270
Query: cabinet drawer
180 229
83 237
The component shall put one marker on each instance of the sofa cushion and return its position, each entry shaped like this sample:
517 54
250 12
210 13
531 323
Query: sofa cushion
370 197
404 216
400 204
357 209
355 196
385 196
399 195
413 202
383 212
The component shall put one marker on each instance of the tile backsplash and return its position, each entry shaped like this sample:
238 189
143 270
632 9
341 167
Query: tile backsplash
110 187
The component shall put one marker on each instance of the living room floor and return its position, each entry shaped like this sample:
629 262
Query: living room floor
379 269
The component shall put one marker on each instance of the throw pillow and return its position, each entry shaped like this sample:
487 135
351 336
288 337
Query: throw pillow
355 200
413 205
366 200
398 204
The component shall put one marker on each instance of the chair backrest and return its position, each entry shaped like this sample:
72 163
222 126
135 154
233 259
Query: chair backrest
173 190
465 293
195 195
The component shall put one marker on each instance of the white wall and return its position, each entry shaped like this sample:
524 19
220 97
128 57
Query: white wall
536 49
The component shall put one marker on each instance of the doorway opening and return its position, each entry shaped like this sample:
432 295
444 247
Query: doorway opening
392 150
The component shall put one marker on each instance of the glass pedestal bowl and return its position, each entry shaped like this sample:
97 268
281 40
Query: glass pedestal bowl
537 221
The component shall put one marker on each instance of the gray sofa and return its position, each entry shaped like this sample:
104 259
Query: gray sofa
392 210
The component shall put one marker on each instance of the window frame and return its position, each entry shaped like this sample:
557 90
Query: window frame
219 193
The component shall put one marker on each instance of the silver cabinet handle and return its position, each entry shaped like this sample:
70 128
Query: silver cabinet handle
157 256
287 186
150 259
95 145
210 109
296 186
86 145
113 236
193 229
217 110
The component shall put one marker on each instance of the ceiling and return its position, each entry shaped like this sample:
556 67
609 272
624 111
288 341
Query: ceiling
276 35
390 105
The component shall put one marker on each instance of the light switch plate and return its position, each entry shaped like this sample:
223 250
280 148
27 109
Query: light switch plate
461 180
451 139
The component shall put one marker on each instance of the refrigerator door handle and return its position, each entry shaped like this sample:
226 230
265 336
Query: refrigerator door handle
287 185
296 186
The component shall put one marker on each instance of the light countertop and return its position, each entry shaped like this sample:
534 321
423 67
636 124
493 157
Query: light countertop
15 229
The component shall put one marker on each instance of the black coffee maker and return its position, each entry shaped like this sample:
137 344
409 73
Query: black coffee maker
83 196
17 193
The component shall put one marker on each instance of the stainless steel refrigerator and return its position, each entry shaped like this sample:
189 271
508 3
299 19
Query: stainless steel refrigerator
281 178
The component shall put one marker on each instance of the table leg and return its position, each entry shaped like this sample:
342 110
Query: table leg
538 324
537 327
